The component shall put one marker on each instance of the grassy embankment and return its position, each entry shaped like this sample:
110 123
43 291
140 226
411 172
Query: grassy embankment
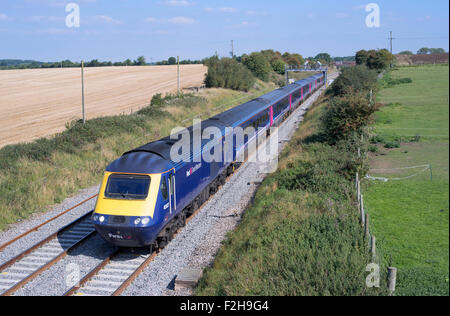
410 218
302 235
46 171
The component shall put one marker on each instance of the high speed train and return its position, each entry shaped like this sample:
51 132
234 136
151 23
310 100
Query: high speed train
145 196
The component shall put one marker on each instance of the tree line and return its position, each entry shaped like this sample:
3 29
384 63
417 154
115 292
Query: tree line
140 61
424 51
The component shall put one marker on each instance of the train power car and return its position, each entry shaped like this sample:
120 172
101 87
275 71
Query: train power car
145 196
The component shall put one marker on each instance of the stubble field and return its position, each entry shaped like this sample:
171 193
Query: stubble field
36 103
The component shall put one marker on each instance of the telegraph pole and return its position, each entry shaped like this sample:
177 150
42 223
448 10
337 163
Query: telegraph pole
178 74
82 91
232 49
390 42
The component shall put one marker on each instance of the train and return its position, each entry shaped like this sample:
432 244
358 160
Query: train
145 196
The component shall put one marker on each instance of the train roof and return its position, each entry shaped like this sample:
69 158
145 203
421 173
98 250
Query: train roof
140 163
155 157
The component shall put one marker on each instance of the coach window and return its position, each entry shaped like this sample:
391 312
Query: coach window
163 189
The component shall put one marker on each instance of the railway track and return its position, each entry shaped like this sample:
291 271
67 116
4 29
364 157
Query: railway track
111 277
36 228
26 266
116 272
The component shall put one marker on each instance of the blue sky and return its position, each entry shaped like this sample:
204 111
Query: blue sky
157 29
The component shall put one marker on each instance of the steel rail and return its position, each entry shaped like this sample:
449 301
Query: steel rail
2 247
47 265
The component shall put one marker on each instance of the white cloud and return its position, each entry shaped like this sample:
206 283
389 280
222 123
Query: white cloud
107 19
228 10
175 20
181 20
222 10
177 3
256 13
4 17
38 18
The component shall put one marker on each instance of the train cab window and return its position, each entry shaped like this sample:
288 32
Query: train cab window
163 188
127 187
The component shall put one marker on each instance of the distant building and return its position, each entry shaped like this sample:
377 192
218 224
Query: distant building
343 64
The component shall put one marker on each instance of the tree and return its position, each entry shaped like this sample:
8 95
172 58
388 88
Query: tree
406 52
437 51
374 59
379 59
423 51
228 73
140 61
278 65
295 60
172 61
361 57
258 65
324 58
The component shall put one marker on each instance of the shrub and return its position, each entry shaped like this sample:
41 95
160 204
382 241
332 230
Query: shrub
157 100
388 81
359 79
228 73
391 145
377 139
346 115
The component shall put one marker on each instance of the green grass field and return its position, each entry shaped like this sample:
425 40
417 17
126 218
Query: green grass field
410 217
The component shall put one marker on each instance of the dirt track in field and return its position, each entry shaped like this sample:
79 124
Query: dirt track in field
39 102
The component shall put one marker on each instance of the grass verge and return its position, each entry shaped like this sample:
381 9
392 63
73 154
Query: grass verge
410 218
302 235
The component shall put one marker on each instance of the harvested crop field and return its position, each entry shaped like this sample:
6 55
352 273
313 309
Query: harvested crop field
39 102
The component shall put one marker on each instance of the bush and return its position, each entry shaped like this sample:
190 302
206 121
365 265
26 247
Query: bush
346 115
354 79
157 100
258 65
377 139
228 73
391 145
388 81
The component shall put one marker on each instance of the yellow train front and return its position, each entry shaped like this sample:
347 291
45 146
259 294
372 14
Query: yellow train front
133 205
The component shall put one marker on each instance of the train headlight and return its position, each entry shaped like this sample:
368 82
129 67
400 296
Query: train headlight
101 219
145 221
95 218
137 221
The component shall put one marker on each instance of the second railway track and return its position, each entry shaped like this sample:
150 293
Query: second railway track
26 266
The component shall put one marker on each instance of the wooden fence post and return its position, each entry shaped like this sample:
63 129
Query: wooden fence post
361 207
392 278
359 192
367 232
373 247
